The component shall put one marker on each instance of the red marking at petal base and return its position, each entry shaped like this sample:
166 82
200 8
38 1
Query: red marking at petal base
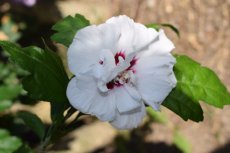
117 55
132 63
110 85
113 84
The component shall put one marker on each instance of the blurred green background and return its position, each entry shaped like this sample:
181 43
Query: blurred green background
205 36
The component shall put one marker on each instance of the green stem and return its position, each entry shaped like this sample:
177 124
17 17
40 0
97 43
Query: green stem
54 129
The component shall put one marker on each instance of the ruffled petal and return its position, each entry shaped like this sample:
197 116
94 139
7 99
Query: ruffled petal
124 101
84 50
144 37
162 45
105 65
127 32
129 120
110 34
134 37
155 78
83 95
88 45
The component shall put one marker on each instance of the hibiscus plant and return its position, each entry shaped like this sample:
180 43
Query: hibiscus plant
119 69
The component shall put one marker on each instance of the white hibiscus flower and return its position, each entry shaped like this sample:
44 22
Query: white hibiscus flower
119 67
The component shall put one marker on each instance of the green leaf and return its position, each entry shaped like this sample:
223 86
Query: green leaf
200 83
154 26
67 28
8 144
172 27
157 116
157 27
4 133
195 83
4 71
34 122
5 104
181 142
9 92
183 106
47 79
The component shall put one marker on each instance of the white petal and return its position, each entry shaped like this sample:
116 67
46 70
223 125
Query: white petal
162 45
84 50
144 37
89 45
134 37
83 95
104 107
104 69
127 32
131 90
124 101
155 78
129 120
110 34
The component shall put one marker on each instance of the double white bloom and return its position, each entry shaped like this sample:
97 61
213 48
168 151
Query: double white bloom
119 67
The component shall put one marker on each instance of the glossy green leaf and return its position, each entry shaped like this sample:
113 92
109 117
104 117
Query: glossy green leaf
47 79
183 106
34 122
8 144
67 28
195 83
200 83
181 142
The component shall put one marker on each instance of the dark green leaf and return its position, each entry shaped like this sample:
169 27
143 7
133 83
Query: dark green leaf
34 122
8 144
67 28
47 79
183 106
172 27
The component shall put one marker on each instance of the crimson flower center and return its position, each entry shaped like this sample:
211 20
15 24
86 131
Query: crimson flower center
124 76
